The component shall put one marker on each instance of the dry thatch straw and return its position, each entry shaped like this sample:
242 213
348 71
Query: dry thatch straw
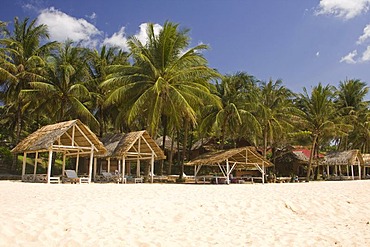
349 157
59 134
246 156
119 145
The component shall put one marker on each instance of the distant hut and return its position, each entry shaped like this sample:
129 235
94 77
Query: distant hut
341 164
132 147
233 159
71 138
366 171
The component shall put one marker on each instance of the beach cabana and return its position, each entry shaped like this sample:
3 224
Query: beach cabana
71 138
343 163
134 146
228 160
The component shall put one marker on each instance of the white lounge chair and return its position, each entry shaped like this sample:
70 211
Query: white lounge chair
73 178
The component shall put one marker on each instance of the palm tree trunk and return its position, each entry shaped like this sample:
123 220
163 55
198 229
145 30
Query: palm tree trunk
186 123
169 171
264 142
311 158
164 123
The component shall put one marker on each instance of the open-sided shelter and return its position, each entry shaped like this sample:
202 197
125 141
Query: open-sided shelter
133 146
71 138
343 163
228 160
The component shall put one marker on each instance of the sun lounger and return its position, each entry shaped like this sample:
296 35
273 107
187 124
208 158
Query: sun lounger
109 177
73 178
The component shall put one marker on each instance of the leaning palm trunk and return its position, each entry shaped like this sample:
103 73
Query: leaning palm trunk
311 158
170 158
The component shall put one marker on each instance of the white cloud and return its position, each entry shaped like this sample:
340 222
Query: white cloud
364 36
346 9
93 16
349 58
117 40
63 27
142 35
317 54
366 55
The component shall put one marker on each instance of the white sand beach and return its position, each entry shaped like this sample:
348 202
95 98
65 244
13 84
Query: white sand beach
304 214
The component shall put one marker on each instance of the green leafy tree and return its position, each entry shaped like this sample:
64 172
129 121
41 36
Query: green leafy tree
166 83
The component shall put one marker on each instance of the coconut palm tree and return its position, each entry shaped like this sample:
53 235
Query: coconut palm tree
235 110
319 116
62 93
22 61
275 111
167 82
98 63
354 110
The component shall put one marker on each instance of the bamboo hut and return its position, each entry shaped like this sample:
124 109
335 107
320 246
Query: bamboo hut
229 160
132 147
341 164
366 170
71 138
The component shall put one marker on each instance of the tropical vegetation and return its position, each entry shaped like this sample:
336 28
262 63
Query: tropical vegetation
167 87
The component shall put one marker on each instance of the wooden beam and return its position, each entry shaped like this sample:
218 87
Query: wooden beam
35 166
24 164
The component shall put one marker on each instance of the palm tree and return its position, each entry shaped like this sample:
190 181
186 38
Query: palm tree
275 111
319 116
22 61
98 63
62 94
166 83
235 110
354 110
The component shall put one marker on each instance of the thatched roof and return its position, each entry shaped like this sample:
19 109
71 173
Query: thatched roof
299 155
350 157
247 156
60 134
119 145
167 144
366 158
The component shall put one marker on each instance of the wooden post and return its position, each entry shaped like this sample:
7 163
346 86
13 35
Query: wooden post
64 163
95 167
91 162
49 164
152 167
138 159
35 166
77 161
24 165
353 175
123 167
263 172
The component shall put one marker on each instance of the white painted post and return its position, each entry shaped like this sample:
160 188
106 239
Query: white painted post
227 171
263 172
138 167
24 164
108 168
152 168
91 162
49 164
353 175
327 171
359 170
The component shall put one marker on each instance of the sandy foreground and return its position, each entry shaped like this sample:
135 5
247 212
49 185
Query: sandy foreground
304 214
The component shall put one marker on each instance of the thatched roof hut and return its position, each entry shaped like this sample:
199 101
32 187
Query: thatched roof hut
72 138
238 158
167 144
350 157
133 146
60 134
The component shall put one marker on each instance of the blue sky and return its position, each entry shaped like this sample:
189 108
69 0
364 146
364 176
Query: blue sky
301 42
